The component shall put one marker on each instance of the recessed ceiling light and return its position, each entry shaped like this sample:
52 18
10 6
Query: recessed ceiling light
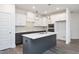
33 7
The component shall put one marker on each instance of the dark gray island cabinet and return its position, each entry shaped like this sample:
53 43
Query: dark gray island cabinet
38 43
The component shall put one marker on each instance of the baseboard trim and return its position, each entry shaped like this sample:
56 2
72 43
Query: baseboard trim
61 39
74 39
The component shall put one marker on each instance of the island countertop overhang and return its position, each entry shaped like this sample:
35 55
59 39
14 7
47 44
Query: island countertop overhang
38 35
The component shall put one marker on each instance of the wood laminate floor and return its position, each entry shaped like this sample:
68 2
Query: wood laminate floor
61 48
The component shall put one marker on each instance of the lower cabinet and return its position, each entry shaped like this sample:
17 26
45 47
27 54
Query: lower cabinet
39 45
19 38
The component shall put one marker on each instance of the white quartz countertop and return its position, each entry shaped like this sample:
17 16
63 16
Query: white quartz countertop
38 35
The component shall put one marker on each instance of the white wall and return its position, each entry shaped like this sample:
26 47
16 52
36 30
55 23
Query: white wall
29 25
74 23
9 8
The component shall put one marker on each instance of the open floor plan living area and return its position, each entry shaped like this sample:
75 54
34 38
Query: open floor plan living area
39 29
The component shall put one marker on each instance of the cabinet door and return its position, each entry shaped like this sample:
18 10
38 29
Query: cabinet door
61 16
30 16
18 38
37 22
57 17
41 22
20 19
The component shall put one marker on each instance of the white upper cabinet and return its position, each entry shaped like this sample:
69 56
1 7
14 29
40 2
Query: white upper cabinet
61 16
20 19
57 17
42 21
30 16
37 22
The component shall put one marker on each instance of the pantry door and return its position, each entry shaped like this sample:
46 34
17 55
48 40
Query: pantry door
5 30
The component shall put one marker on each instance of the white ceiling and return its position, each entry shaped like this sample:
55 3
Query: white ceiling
41 8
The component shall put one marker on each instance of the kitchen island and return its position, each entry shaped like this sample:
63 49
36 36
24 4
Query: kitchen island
37 43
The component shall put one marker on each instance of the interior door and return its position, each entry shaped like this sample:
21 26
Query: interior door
60 28
4 31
